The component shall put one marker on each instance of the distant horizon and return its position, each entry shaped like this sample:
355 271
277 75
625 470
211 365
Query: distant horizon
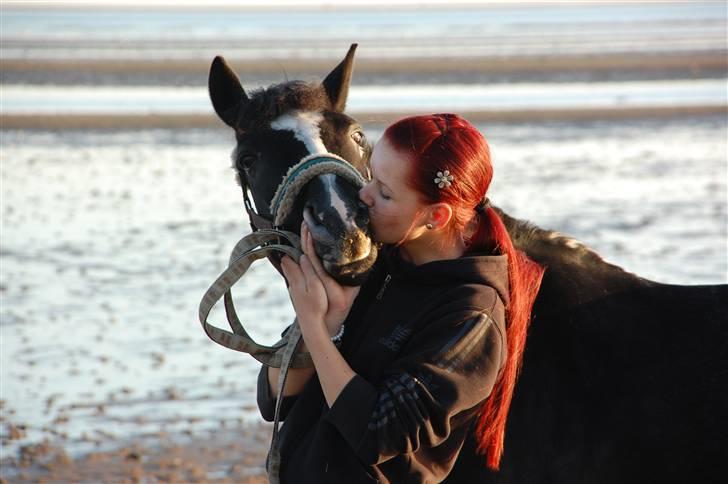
323 4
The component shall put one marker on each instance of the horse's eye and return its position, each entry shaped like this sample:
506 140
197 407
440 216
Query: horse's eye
246 160
358 137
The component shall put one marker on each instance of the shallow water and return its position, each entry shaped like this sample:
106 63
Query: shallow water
567 28
109 239
24 99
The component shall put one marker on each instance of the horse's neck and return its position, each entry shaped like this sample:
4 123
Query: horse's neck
575 274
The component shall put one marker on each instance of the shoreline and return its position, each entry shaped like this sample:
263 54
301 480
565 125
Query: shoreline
148 121
688 61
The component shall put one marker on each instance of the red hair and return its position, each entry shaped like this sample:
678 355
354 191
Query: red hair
439 142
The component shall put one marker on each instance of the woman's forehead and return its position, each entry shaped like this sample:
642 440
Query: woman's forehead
388 164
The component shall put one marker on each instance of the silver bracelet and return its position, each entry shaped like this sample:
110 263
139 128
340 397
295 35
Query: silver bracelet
336 339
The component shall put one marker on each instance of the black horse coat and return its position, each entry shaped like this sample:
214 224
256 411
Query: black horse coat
624 380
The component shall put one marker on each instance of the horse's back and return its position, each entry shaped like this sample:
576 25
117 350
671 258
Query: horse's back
631 387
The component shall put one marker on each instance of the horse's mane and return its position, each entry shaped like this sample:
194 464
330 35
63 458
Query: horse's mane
562 252
266 104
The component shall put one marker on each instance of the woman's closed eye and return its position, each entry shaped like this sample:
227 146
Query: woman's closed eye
383 190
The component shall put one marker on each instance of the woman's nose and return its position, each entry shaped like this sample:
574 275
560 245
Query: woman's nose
364 195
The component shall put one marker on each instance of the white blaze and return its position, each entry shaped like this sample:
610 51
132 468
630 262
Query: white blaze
305 127
337 203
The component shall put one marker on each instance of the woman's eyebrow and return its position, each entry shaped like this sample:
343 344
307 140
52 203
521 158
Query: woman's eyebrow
382 183
376 178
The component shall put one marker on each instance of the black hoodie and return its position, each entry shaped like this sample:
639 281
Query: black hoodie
427 343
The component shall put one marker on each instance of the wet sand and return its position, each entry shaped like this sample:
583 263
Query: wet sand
385 67
106 374
371 71
229 456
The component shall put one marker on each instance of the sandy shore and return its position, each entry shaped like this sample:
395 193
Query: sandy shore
122 121
228 456
370 71
606 62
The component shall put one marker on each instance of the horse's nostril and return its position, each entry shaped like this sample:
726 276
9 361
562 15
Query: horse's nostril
311 217
362 220
362 214
313 220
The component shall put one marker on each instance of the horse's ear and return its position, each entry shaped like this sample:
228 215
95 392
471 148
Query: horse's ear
337 82
226 93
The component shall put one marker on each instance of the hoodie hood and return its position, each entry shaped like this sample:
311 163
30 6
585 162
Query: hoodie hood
487 270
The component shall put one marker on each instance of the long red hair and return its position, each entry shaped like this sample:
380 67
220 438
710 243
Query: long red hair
438 142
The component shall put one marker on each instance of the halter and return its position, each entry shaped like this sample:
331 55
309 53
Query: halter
293 182
303 172
265 241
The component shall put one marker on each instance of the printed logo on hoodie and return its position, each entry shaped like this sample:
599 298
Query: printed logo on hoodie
394 341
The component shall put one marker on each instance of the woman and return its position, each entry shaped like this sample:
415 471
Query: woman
427 350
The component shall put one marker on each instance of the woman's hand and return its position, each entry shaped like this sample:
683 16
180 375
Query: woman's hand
340 298
316 297
321 306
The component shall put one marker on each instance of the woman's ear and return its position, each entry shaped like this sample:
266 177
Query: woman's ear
440 215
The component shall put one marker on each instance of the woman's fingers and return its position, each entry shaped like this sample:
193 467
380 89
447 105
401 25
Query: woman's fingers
291 270
309 250
306 267
309 272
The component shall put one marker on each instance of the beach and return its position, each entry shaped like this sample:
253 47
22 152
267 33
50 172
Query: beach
119 206
227 456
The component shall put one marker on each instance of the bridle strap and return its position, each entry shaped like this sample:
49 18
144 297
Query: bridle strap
257 221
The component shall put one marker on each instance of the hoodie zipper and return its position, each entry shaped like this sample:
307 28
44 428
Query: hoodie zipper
384 286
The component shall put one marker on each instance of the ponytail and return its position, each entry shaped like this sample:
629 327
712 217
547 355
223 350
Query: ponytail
524 277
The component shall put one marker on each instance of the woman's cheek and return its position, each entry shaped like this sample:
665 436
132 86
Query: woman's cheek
377 220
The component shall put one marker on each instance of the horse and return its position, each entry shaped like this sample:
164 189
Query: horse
623 378
277 127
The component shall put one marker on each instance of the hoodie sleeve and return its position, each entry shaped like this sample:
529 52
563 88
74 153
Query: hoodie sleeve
265 399
267 402
448 367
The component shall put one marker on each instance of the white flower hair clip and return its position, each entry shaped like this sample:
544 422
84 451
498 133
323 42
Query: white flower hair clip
444 179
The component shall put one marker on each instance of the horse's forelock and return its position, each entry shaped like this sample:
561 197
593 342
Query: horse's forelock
267 104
